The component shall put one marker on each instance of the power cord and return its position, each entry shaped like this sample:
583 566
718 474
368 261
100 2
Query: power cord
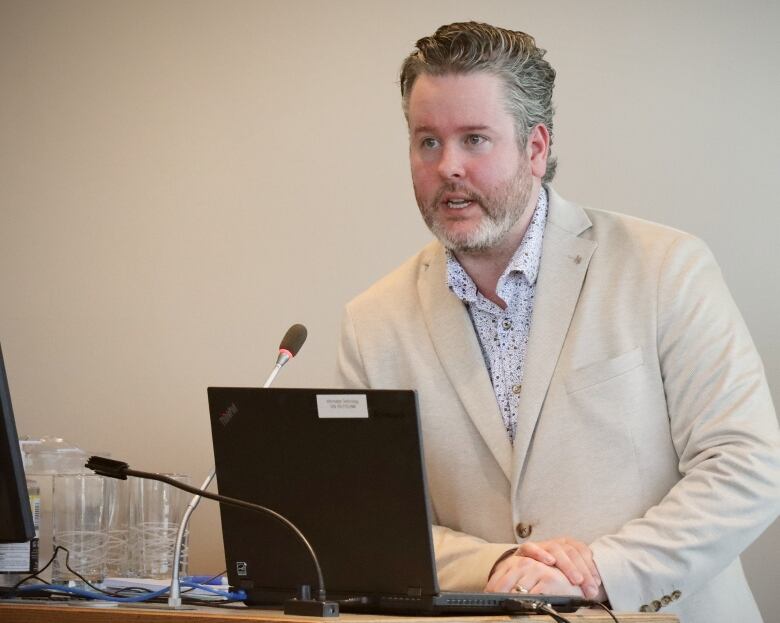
205 579
55 589
607 610
549 611
67 566
101 594
539 606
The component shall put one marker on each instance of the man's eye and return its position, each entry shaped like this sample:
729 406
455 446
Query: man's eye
475 139
429 143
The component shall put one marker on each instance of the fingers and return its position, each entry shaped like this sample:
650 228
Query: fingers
504 577
533 550
588 566
513 571
572 557
518 572
514 580
569 560
551 586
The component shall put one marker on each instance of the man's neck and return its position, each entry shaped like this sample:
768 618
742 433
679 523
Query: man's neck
485 267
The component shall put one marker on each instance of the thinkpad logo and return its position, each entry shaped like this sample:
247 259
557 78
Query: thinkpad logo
227 414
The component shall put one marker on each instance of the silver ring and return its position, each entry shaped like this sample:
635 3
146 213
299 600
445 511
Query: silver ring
519 588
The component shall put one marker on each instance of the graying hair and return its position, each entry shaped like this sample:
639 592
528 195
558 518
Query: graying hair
513 56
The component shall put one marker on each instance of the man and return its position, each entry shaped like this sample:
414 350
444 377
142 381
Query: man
595 416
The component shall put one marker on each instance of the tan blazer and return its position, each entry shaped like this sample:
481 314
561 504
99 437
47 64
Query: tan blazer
646 427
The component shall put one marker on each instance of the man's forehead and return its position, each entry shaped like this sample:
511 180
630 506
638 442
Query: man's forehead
426 84
473 101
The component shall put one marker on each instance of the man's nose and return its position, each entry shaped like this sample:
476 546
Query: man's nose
451 163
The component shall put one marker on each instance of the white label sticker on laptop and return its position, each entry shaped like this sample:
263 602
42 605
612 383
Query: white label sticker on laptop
342 406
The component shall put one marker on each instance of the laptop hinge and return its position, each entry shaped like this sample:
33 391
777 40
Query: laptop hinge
414 591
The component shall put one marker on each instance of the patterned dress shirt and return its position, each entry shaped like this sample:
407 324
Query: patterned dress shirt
503 333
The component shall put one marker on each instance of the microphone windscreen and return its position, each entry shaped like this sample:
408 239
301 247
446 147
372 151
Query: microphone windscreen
294 339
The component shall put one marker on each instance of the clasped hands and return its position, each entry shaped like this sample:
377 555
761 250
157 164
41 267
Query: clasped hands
560 566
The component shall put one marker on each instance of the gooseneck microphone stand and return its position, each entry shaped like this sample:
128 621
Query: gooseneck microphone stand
174 595
290 345
302 605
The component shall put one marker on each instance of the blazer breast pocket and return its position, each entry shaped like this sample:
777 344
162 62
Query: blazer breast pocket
602 371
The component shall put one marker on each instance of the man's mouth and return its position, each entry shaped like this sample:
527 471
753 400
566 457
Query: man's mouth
458 203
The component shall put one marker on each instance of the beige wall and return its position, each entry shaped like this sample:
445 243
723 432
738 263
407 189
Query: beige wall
181 180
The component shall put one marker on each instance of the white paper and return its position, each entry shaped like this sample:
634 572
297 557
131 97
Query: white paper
342 406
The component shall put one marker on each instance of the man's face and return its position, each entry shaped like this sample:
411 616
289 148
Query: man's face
471 180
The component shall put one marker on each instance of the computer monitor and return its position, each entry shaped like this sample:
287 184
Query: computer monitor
16 521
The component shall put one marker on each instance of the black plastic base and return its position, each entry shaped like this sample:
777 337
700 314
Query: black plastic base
311 608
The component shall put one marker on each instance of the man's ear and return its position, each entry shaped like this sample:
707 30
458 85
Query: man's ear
537 148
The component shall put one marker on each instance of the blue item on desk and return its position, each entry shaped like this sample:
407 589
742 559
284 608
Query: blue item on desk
220 580
89 594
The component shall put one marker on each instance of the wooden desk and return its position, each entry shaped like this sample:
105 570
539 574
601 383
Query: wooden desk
16 612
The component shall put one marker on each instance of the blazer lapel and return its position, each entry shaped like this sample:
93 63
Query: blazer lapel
459 353
564 263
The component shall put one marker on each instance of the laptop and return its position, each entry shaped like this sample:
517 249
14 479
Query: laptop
346 467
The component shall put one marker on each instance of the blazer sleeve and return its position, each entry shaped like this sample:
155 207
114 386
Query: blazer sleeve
464 562
724 429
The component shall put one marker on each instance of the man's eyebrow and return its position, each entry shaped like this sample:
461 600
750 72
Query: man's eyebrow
422 129
425 129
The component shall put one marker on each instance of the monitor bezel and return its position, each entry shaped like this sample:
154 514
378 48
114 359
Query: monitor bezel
16 520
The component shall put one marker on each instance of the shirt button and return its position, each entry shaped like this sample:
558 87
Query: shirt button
507 324
524 530
516 388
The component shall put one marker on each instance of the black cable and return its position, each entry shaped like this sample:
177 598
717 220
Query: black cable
205 583
195 601
549 611
559 618
116 593
131 589
78 575
36 576
224 604
214 577
607 610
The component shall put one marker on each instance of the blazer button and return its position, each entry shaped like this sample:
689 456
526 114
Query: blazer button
676 595
666 600
656 605
523 530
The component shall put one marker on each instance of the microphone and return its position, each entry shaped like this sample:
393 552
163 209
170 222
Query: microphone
293 340
290 345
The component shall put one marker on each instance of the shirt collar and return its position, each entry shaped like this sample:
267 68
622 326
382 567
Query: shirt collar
525 259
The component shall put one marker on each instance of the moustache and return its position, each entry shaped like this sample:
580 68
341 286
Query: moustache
466 193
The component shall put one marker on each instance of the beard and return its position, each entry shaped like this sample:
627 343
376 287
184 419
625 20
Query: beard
502 208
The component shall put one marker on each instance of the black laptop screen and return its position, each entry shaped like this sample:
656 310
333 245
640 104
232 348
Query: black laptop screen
346 469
